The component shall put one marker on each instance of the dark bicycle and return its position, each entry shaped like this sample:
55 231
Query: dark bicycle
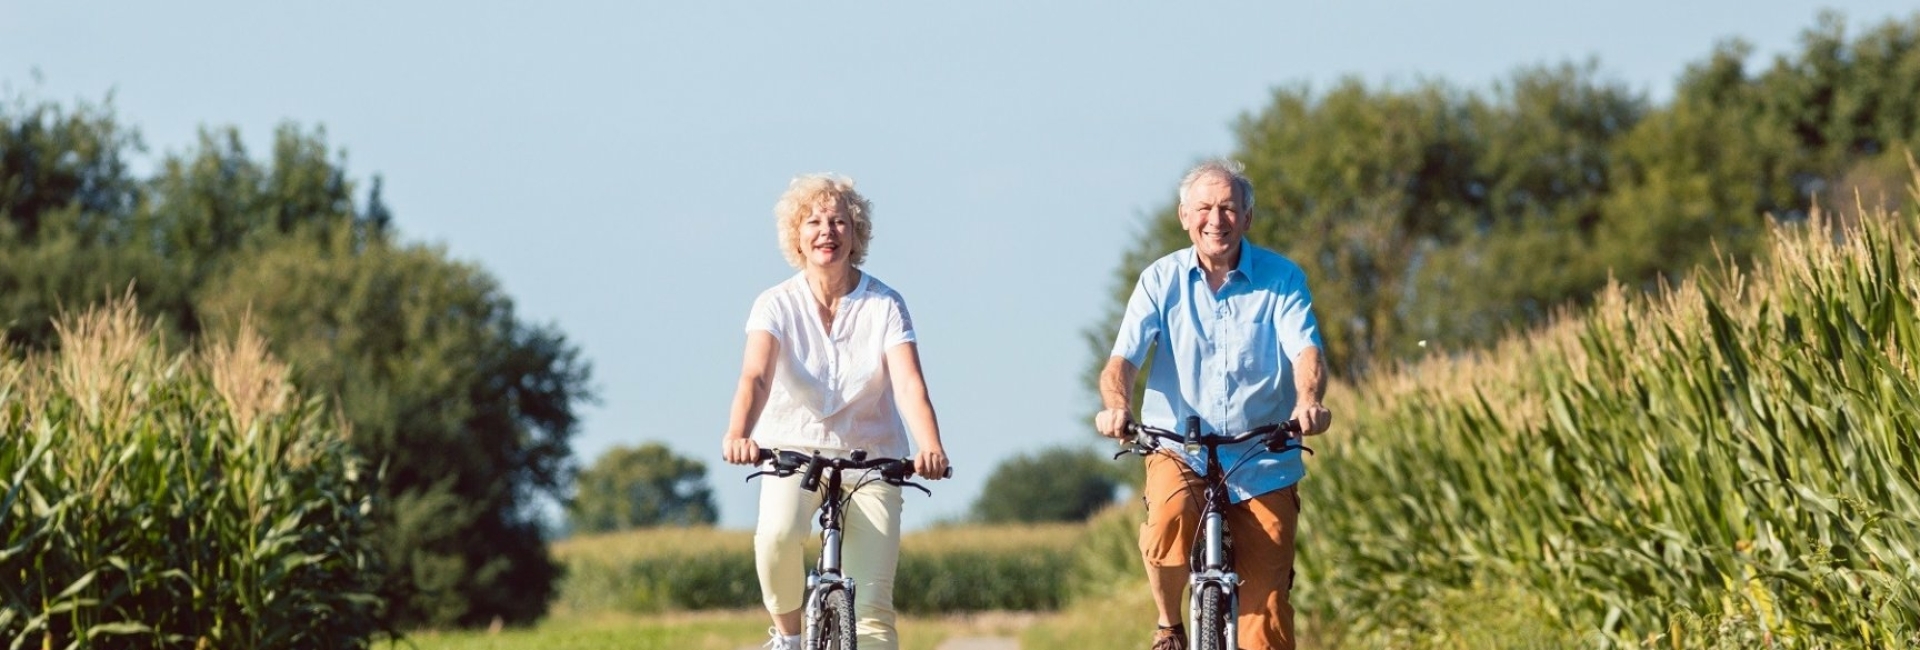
829 619
1213 612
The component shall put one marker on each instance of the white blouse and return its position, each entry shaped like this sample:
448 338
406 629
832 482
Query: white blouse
830 390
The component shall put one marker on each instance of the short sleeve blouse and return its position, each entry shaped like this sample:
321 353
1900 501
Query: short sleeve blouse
831 390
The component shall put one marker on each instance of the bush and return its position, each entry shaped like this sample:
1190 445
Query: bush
182 501
1054 484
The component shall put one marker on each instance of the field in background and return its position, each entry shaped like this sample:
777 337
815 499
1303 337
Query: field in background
942 570
715 630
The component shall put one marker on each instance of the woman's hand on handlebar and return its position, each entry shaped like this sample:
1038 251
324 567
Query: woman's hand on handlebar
740 451
931 464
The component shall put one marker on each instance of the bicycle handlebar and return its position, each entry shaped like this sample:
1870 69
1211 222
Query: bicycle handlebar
785 463
1277 437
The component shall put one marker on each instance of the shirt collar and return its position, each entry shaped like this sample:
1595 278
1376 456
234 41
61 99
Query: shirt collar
1244 267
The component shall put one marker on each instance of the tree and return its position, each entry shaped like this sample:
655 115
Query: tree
637 487
1435 215
56 160
66 201
468 409
1055 484
1424 213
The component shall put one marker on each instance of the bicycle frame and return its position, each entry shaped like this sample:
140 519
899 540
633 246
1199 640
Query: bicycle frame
827 574
1215 562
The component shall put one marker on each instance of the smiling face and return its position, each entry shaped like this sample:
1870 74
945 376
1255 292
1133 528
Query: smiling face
1214 218
826 235
823 221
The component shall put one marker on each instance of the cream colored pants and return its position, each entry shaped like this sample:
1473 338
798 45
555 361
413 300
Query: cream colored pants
869 550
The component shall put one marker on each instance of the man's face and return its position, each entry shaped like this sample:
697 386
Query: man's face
1212 218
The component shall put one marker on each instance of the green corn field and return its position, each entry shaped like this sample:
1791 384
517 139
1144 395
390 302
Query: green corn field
942 570
159 500
1728 463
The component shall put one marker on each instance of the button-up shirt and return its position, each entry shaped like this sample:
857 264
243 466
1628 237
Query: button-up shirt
1226 356
830 389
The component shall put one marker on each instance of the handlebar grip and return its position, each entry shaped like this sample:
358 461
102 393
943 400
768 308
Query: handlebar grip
903 470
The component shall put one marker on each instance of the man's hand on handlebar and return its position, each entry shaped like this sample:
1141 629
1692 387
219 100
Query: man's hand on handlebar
1313 417
1112 423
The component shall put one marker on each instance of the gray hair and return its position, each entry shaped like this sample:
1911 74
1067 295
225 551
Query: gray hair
1225 169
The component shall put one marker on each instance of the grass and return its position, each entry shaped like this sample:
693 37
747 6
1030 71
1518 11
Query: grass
714 630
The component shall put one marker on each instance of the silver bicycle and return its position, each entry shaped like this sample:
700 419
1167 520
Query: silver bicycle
829 617
1214 608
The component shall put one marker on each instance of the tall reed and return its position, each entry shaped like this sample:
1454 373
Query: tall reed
175 500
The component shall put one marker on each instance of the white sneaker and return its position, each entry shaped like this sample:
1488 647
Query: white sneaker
782 641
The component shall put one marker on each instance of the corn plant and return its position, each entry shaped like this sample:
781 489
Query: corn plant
1727 463
175 500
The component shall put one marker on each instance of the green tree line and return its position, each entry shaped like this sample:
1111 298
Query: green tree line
464 408
1433 213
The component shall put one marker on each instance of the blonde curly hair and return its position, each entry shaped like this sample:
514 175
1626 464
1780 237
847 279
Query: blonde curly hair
810 192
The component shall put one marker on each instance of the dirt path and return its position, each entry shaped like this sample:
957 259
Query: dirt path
981 643
960 643
974 631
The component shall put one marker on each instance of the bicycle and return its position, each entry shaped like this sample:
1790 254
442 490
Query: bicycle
829 618
1214 606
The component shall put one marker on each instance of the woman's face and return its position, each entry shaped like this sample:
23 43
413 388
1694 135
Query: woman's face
826 235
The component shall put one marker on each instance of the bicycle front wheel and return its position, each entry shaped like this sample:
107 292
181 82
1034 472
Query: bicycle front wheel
834 630
1210 620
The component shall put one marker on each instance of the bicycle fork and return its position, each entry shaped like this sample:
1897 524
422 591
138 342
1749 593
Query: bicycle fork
1215 569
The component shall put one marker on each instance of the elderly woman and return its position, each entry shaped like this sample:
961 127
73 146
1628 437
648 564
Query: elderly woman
831 366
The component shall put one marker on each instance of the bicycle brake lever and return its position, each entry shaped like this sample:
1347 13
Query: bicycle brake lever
1284 448
923 489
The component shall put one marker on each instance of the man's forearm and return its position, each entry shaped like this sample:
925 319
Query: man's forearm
1116 384
1310 375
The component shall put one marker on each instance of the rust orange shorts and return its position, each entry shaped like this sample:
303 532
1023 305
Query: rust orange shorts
1262 529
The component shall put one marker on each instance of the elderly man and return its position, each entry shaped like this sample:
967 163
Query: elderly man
1238 346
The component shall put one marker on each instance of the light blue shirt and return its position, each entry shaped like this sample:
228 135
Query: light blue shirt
1226 357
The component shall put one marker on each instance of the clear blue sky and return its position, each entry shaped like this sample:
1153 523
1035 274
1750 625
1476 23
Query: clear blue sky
615 164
